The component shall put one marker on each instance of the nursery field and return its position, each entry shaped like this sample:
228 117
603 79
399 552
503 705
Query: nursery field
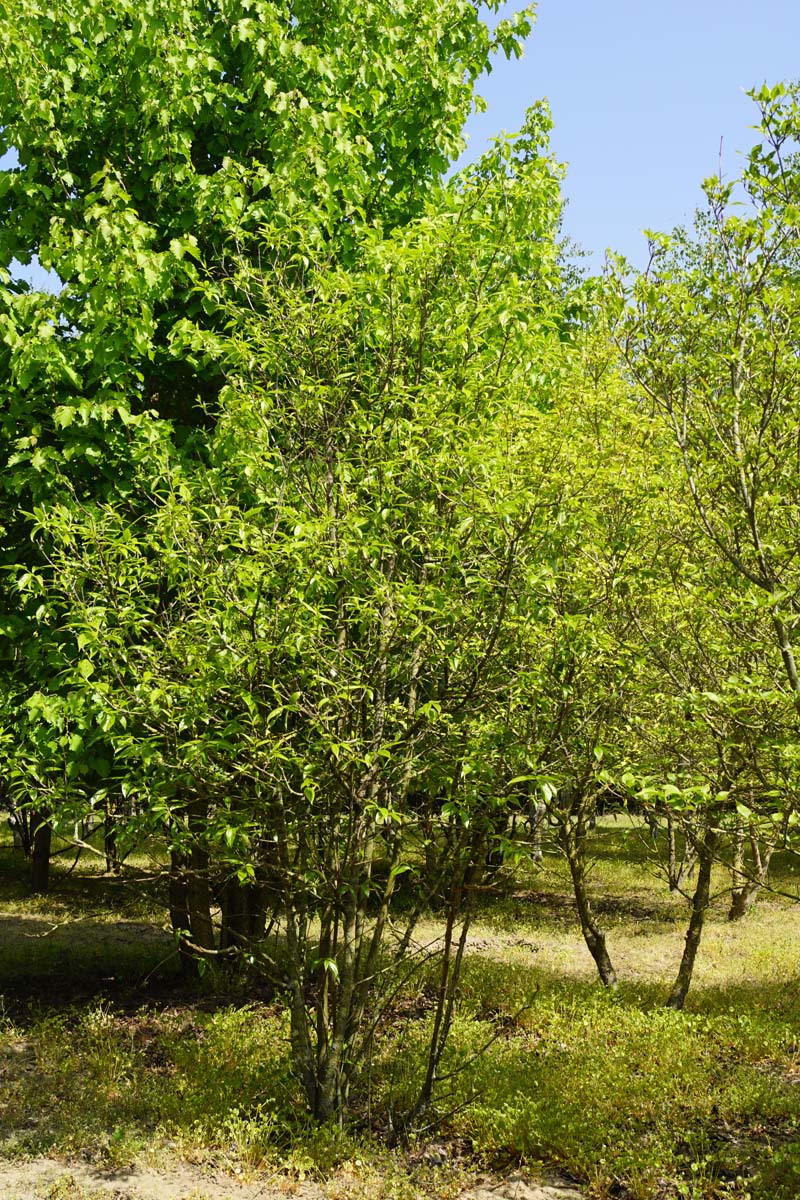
118 1077
399 626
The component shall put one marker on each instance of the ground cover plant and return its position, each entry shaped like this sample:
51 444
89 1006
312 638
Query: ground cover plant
544 1067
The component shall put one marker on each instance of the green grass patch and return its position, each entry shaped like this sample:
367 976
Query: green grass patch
630 1098
544 1069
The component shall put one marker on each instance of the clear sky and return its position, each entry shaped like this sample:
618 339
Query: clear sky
641 92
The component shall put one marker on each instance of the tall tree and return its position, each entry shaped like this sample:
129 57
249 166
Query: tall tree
302 654
153 146
711 335
150 135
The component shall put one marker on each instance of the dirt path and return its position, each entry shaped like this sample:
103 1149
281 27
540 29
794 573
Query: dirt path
47 1179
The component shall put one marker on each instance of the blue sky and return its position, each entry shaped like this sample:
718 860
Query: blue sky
641 93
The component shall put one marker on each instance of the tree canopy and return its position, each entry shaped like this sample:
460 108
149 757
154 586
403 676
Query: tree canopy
346 531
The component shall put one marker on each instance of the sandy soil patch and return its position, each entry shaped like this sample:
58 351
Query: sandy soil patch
47 1179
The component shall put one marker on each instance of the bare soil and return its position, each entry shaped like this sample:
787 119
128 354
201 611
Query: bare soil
48 1179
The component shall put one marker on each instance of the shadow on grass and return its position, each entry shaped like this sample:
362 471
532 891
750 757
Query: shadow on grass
55 962
79 882
554 906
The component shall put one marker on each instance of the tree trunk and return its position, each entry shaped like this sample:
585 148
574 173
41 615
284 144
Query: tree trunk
679 867
592 933
40 851
110 843
573 815
198 897
746 884
198 887
743 899
179 909
243 914
672 860
459 911
706 847
537 813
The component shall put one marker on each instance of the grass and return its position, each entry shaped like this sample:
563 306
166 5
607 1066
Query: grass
92 932
619 1092
544 1069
